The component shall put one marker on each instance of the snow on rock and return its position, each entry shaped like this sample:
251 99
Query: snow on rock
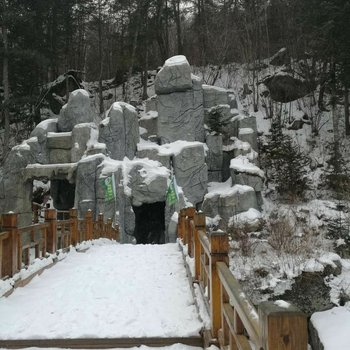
251 218
174 76
226 200
188 160
44 127
332 327
243 172
155 302
77 110
241 164
144 180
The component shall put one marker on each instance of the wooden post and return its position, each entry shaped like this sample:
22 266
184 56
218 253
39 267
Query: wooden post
89 225
199 225
181 224
51 219
283 327
190 212
100 221
218 252
11 257
73 218
109 229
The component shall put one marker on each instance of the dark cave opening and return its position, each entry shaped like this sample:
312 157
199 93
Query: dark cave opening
150 223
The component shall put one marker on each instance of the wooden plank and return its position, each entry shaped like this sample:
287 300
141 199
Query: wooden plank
241 303
241 341
204 242
4 235
103 343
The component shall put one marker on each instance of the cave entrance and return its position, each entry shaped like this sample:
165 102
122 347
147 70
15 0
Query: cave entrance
40 198
150 223
63 194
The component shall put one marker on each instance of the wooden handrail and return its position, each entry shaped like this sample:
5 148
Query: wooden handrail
235 322
242 305
47 237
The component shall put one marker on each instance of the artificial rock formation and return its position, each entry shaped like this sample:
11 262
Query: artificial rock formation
188 129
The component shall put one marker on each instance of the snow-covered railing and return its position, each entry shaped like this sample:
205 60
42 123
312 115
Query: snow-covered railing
235 322
17 244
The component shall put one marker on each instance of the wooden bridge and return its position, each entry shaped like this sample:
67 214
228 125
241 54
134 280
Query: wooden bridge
235 323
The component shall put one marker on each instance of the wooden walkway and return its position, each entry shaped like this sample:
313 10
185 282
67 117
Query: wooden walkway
235 323
111 295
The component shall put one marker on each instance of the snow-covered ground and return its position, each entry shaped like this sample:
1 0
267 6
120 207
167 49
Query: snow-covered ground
110 291
143 347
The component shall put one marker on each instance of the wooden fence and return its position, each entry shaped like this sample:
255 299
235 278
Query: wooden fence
235 322
17 243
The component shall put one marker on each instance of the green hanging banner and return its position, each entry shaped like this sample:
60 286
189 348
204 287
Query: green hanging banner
109 188
171 193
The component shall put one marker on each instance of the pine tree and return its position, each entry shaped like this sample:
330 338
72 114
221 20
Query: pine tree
285 164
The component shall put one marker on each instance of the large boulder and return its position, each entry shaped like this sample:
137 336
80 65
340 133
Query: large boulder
174 76
180 116
213 96
147 181
243 172
120 131
214 156
250 136
285 88
77 110
191 170
87 177
226 200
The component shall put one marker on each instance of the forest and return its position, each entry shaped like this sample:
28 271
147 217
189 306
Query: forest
106 39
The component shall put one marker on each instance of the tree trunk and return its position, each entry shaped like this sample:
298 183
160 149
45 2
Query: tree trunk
346 111
177 15
100 56
5 77
335 116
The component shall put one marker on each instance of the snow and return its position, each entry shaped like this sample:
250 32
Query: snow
241 164
80 92
117 290
211 87
225 189
150 170
148 115
282 303
59 134
246 131
44 125
176 60
333 327
142 347
168 149
251 217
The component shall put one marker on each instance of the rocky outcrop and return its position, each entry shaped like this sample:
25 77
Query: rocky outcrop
227 200
179 102
77 110
285 88
174 76
191 172
120 131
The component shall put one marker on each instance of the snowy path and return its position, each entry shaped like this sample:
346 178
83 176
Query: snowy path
110 291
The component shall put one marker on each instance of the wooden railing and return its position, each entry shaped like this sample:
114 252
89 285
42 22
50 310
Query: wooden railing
235 322
17 244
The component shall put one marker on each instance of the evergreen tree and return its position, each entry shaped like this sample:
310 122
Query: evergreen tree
285 164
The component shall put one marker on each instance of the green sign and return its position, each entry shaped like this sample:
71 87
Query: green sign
109 187
171 193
